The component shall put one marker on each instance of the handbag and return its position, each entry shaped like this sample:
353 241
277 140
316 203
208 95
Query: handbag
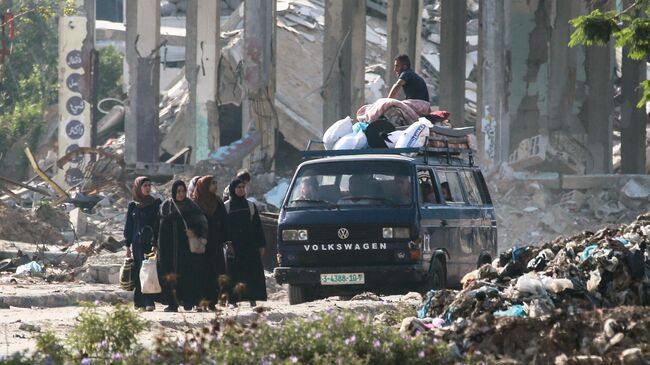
149 276
126 275
197 244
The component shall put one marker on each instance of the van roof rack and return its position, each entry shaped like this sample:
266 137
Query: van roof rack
442 149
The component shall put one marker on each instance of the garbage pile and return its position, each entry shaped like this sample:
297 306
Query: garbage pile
583 298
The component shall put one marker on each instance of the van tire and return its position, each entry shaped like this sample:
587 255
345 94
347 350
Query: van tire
297 294
437 275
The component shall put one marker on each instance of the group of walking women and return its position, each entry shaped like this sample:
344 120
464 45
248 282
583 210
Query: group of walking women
231 268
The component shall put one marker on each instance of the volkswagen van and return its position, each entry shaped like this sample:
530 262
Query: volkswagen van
383 220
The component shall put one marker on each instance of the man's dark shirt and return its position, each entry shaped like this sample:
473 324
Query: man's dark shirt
414 86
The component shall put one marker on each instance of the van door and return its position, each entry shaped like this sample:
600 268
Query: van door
480 197
454 222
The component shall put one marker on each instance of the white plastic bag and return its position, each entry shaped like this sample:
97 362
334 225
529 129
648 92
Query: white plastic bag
393 137
530 284
149 277
415 135
352 141
336 132
556 285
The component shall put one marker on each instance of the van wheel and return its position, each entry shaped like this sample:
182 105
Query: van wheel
437 275
297 294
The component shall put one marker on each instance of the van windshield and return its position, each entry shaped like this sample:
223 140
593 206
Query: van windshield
358 183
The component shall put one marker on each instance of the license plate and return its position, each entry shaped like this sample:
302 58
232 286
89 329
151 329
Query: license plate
342 279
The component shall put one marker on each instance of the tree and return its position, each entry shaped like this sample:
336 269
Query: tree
29 74
629 27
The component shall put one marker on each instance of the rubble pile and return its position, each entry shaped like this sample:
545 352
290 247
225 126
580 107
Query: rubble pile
530 213
586 295
16 225
178 8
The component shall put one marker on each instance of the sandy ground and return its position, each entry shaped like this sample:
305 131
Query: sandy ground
63 319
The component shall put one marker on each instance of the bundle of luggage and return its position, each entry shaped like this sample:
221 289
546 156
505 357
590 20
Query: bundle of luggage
391 123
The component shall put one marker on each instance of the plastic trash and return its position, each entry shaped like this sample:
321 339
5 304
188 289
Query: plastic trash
587 253
541 260
424 310
30 267
556 285
352 141
530 284
336 132
517 251
415 135
594 281
517 310
635 261
434 323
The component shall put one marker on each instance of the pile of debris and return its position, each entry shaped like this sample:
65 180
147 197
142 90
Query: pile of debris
585 297
178 8
18 225
532 209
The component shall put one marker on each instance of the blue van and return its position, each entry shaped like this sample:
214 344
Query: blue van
383 220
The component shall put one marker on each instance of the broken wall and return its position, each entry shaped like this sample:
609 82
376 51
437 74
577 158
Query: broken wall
549 85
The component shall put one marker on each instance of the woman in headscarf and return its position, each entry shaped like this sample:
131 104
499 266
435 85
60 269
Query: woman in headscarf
140 234
192 186
181 272
205 196
247 242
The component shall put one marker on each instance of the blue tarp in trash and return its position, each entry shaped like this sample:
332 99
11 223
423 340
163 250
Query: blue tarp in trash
587 252
30 267
424 311
517 310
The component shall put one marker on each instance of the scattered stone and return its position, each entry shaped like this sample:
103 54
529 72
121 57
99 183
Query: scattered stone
29 327
367 296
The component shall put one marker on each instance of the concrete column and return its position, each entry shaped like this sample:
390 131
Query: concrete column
344 53
143 59
560 81
492 125
404 27
529 35
201 60
599 65
76 47
633 119
258 110
452 59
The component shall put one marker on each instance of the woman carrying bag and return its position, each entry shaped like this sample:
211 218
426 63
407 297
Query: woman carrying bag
181 272
246 245
205 196
140 234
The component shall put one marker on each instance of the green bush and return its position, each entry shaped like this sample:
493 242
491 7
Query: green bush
98 335
324 338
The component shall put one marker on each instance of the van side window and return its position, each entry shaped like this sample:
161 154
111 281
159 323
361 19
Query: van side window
471 187
450 184
428 189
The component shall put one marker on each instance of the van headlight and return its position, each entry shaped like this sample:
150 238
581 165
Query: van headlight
294 235
395 232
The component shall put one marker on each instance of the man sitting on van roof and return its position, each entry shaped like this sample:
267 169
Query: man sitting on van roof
413 85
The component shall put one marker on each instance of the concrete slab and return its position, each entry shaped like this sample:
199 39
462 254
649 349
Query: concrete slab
60 295
53 255
599 181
